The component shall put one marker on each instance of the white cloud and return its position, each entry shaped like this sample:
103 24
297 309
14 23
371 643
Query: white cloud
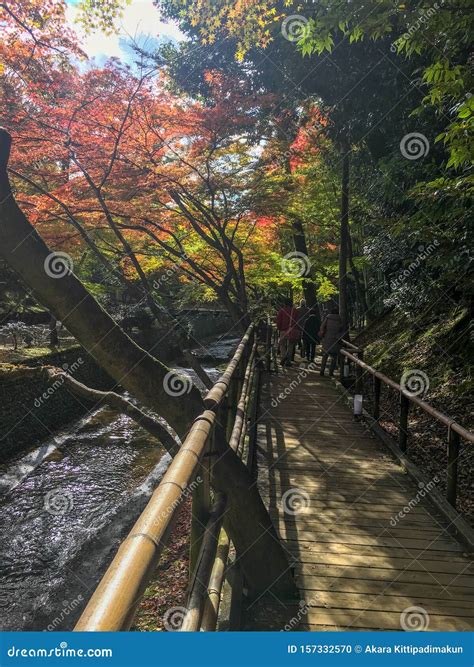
139 18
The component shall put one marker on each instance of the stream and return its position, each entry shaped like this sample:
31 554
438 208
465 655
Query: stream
66 506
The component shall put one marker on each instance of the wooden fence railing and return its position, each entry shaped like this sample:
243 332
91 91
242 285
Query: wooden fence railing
455 432
229 403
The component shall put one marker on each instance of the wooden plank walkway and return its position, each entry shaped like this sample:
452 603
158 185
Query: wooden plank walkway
335 495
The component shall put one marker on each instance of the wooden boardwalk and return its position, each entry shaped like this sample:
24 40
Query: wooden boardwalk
339 501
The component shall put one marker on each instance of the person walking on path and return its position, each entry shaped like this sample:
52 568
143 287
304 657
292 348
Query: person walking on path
310 335
302 314
331 333
287 325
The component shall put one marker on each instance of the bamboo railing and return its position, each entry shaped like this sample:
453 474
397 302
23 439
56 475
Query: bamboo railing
228 405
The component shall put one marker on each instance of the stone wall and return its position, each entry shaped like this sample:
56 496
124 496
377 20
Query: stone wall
201 326
31 409
206 324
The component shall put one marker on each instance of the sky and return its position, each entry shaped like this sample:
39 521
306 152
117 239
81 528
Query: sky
141 20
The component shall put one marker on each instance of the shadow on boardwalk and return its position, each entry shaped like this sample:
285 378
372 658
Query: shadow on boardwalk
339 502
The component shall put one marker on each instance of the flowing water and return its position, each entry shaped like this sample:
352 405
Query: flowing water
65 507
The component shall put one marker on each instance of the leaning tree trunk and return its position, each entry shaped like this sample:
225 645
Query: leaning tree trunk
263 560
343 241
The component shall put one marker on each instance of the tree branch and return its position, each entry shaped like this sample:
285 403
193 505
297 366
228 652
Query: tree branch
117 402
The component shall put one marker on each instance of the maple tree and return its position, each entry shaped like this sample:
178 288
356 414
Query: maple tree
383 70
144 178
197 207
160 229
108 150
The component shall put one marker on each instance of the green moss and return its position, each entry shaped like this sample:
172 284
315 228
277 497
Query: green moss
437 344
23 354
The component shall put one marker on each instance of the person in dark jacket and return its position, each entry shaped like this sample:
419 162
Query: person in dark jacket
331 333
310 334
302 314
287 325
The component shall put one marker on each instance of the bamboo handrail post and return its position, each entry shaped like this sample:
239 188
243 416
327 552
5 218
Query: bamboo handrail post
231 406
248 397
359 384
377 386
192 618
243 366
200 510
253 415
340 365
221 421
210 612
274 351
452 472
360 356
403 423
268 345
240 416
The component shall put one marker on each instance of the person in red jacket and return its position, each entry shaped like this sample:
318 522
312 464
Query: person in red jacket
287 325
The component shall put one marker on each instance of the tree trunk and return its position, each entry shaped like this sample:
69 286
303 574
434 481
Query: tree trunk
358 280
240 319
309 286
262 556
344 243
299 237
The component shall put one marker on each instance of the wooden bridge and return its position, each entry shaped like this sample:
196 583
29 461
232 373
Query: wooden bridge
372 545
